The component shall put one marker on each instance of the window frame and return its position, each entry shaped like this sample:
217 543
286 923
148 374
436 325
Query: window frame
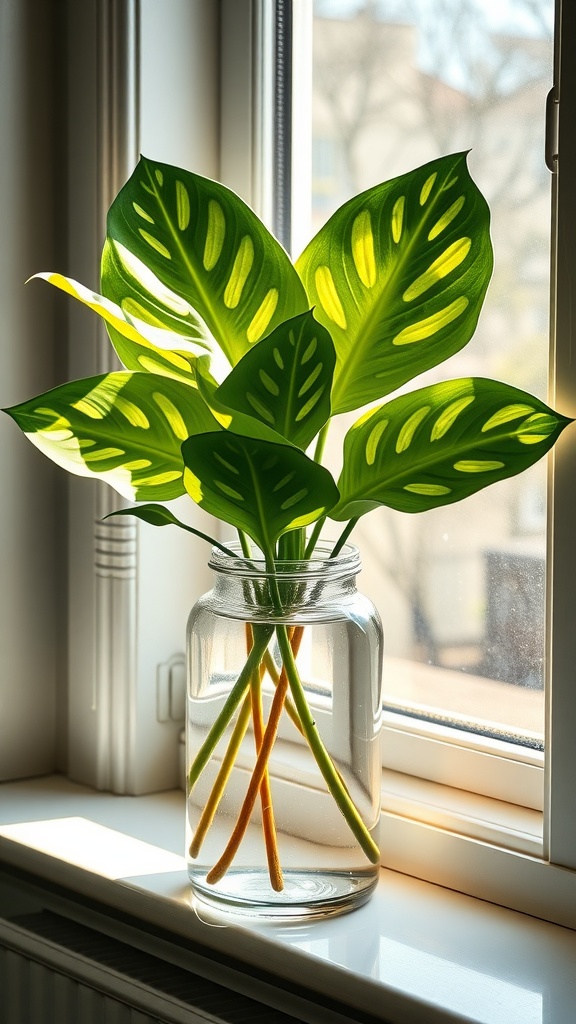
560 798
129 64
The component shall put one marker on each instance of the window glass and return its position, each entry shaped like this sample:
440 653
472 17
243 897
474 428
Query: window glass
461 589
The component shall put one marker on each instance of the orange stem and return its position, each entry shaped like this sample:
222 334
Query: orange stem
221 867
268 823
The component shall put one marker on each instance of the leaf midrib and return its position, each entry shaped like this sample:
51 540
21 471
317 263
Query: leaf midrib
354 351
259 504
196 280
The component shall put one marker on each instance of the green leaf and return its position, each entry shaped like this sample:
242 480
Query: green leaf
158 515
140 345
285 380
441 443
398 277
261 487
125 428
208 248
163 317
233 419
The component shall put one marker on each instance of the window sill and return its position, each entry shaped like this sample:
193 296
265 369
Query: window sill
416 951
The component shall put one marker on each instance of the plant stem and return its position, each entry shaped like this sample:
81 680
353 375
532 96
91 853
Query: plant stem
314 537
289 678
323 760
291 546
222 865
343 537
268 823
331 776
217 791
252 705
274 674
244 544
321 442
261 641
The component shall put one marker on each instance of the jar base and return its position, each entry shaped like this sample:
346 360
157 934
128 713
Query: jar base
306 894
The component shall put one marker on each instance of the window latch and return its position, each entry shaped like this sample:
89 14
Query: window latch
551 141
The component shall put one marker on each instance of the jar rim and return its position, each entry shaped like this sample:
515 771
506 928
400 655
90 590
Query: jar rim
320 565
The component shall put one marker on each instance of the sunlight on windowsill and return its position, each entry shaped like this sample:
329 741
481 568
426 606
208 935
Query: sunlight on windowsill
93 847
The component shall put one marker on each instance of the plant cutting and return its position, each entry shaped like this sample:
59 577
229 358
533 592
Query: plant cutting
236 361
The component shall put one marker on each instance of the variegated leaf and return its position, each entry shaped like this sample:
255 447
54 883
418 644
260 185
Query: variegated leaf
141 344
398 276
285 380
163 317
440 444
258 486
125 428
232 419
208 249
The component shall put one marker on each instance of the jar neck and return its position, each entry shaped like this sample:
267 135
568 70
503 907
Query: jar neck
248 584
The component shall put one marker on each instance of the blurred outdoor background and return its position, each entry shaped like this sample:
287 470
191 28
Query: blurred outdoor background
396 83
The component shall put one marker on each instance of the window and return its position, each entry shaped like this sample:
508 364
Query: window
427 834
462 589
396 66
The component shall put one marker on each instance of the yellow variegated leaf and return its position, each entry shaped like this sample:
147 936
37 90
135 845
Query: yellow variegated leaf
398 276
204 247
261 487
124 428
440 444
140 343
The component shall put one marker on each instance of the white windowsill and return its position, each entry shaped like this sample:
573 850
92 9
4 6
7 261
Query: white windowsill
415 952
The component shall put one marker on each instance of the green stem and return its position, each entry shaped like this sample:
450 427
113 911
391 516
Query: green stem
327 768
274 674
343 537
321 442
321 755
262 637
244 544
290 546
314 537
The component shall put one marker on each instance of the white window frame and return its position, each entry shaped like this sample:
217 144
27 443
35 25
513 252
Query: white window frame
134 69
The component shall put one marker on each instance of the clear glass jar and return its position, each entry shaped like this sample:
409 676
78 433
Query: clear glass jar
335 638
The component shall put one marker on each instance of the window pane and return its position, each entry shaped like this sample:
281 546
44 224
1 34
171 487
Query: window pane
461 589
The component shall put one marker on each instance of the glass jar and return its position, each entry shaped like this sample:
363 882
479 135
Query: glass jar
306 837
